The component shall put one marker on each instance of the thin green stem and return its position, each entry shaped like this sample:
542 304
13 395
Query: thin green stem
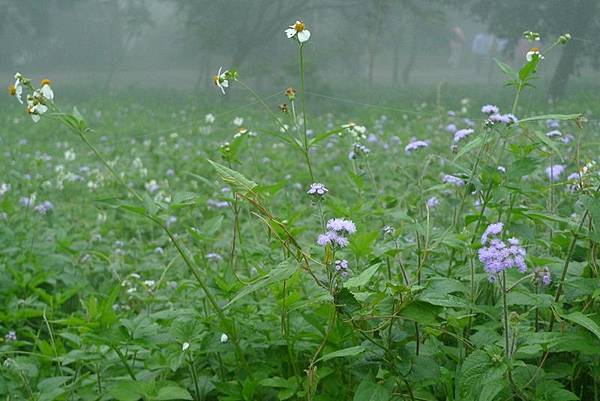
303 102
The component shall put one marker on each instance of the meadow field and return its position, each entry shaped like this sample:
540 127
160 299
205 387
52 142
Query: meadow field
432 243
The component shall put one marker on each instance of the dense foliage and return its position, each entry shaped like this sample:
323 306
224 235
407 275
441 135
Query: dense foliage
265 253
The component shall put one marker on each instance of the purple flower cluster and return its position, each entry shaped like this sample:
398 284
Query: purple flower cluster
554 172
542 275
498 256
337 229
317 189
494 116
44 207
462 134
414 145
341 266
450 179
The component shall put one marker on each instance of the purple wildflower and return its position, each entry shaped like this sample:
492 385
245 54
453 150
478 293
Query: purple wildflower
317 189
509 119
554 172
10 336
492 230
490 109
450 179
542 275
433 202
341 266
341 226
462 134
498 256
414 145
451 128
44 207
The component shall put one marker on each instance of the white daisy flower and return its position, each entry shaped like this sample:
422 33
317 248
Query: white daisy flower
221 80
298 30
238 121
17 88
534 52
34 107
46 90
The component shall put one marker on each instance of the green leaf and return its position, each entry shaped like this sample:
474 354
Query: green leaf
562 117
507 70
283 272
233 177
345 301
173 393
367 390
322 137
127 390
584 321
352 351
475 143
363 278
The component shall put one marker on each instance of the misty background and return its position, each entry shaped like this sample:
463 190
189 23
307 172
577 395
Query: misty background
367 45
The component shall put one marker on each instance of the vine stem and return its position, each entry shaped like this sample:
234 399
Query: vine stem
303 102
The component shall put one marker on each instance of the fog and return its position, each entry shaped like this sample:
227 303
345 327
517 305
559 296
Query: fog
394 44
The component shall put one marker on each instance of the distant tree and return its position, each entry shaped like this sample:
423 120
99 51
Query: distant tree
580 18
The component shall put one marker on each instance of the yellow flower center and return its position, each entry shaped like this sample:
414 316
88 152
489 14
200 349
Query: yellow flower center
30 110
535 49
216 79
12 90
46 82
299 26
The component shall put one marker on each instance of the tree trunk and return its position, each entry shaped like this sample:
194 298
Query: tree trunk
585 10
412 57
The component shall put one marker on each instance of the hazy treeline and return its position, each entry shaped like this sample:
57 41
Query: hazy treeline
372 41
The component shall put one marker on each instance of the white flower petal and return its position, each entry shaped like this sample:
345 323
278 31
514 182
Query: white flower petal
225 84
290 32
35 118
47 92
303 36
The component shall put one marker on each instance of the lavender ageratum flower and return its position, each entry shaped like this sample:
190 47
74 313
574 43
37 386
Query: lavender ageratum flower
357 151
554 172
217 204
567 138
468 122
490 109
495 118
552 124
27 201
554 134
337 228
341 226
414 145
317 189
450 179
498 256
44 207
508 119
493 230
462 134
574 177
542 275
433 202
341 266
10 336
451 128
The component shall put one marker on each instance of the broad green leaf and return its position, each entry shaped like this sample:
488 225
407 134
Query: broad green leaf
233 177
352 351
280 273
127 390
584 321
367 390
173 393
363 278
507 70
549 142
